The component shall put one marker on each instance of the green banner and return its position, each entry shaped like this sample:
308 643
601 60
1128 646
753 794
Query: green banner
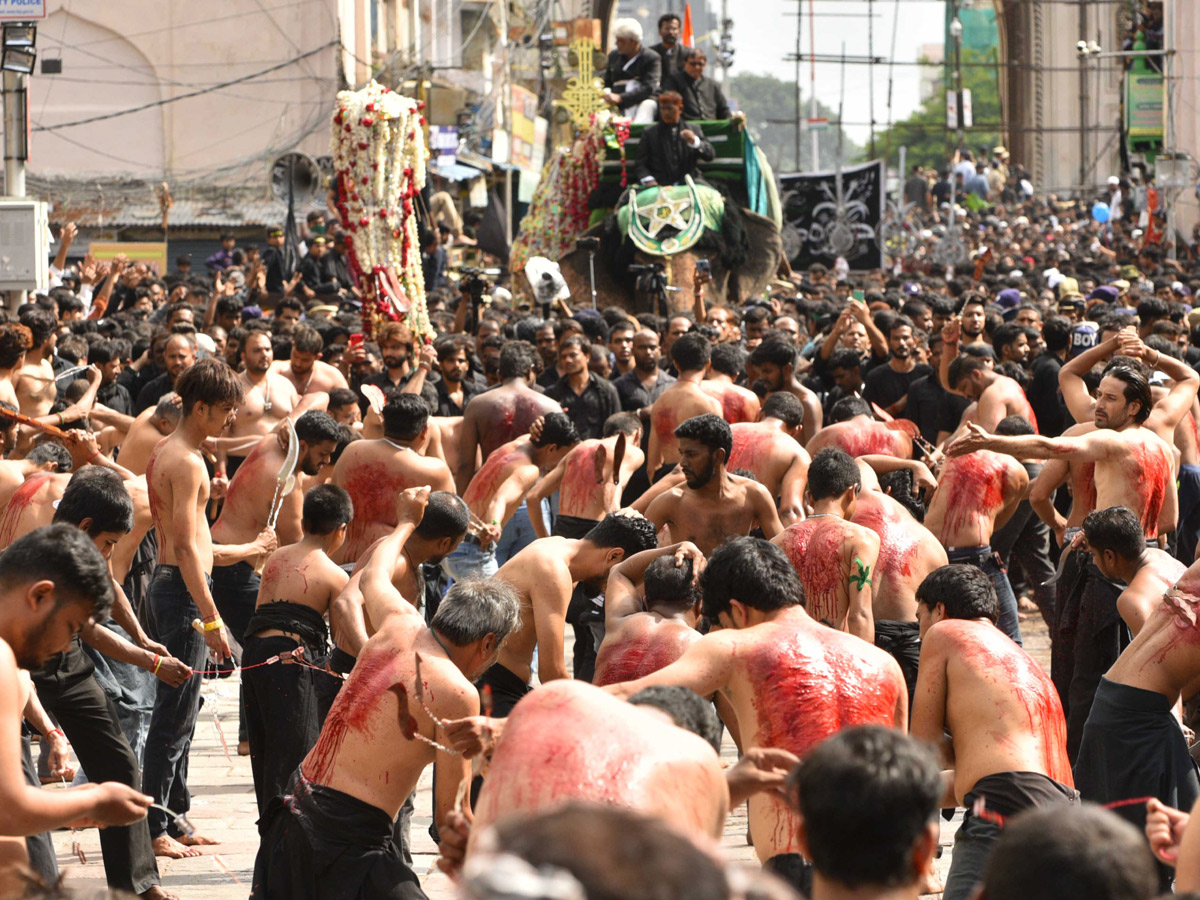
1144 107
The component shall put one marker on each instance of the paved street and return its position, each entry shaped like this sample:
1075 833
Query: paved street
223 807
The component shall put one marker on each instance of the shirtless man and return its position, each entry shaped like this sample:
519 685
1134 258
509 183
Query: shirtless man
36 387
1119 550
537 764
976 494
908 552
502 414
590 479
150 427
329 835
854 428
1008 738
738 404
775 362
499 488
299 582
270 397
996 396
683 400
15 472
181 590
544 575
835 559
307 373
15 342
1133 744
769 658
769 448
1132 469
53 582
711 504
247 510
374 472
644 633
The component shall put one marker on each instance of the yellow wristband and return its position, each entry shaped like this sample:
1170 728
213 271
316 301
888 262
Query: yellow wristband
208 626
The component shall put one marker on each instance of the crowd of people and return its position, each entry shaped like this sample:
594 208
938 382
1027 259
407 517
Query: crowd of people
818 521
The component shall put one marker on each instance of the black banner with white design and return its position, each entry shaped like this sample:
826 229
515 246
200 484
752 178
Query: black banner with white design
821 222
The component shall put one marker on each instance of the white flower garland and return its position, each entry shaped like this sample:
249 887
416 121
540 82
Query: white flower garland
379 155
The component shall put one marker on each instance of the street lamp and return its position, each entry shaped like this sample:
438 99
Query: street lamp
956 32
19 53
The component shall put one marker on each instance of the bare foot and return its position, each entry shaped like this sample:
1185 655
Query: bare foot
196 839
1026 604
930 884
172 849
243 748
157 893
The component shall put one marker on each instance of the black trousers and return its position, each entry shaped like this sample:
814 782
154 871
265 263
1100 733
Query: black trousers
40 847
70 693
235 592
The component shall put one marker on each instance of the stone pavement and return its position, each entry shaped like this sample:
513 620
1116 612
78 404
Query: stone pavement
223 807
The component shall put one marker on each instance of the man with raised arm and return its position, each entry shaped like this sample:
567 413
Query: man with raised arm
374 472
642 634
711 504
53 583
299 581
330 835
544 575
835 558
683 400
1008 739
769 449
150 427
1119 550
590 479
502 414
976 494
770 659
181 591
996 396
499 488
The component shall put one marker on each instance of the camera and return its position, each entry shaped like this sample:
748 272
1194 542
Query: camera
591 244
472 283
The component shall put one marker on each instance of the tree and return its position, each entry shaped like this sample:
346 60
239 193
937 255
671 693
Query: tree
925 133
769 104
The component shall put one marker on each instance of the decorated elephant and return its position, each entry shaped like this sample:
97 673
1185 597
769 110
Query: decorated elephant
616 287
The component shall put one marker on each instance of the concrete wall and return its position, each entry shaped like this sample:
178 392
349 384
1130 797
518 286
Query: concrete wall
120 55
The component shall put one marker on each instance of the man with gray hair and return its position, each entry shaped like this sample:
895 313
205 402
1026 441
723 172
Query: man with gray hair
331 834
633 75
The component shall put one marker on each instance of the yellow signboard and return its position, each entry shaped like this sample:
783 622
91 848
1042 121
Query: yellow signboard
153 253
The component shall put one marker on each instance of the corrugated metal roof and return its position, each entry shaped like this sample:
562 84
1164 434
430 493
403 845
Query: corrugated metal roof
198 213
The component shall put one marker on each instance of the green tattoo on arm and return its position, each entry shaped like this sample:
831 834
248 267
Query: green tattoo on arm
862 577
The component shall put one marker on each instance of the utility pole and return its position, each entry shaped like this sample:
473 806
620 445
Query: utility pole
956 32
799 22
506 106
15 150
812 53
870 73
1169 113
1083 99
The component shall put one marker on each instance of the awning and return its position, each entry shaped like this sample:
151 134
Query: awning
456 172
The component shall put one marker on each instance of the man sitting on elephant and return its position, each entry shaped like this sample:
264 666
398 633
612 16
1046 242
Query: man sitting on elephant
670 149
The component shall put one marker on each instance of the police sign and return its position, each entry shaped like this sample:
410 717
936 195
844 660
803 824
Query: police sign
22 10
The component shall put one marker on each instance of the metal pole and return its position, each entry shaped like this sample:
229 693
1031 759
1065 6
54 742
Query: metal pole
870 70
1083 97
506 105
1168 115
592 274
812 104
799 22
14 134
958 83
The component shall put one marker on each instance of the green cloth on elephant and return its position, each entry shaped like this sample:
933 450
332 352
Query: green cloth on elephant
667 224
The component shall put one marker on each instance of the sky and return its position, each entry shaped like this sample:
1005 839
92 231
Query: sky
764 33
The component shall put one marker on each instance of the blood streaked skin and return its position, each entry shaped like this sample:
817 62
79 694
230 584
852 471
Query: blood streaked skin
751 451
970 493
21 500
649 646
815 549
568 740
804 682
1005 700
489 478
1149 469
373 487
356 702
248 499
907 553
579 494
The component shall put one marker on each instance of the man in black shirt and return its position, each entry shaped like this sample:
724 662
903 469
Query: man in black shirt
634 73
941 190
397 346
587 399
456 387
639 388
273 262
887 385
178 354
672 53
313 275
1043 393
702 97
112 393
671 148
916 189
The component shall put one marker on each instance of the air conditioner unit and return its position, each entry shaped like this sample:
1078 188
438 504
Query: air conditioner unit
24 244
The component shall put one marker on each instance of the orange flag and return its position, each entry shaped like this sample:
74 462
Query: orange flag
687 39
